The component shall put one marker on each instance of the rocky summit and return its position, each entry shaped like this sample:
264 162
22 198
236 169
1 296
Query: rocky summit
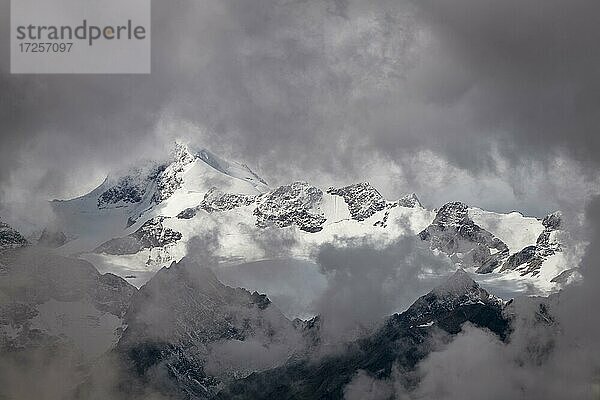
454 233
10 238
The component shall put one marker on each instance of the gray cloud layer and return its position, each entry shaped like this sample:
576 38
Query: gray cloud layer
366 284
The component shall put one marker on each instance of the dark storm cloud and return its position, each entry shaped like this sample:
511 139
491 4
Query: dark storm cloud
366 283
299 88
64 122
535 76
267 81
532 70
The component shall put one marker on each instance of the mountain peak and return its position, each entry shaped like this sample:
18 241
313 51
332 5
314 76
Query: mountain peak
457 284
459 290
10 238
552 221
181 153
452 214
458 236
363 200
410 200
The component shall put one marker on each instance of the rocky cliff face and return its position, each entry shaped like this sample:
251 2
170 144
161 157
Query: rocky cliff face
215 200
294 204
171 178
454 233
131 188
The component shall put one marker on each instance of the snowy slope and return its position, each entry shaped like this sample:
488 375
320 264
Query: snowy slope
233 169
514 229
122 204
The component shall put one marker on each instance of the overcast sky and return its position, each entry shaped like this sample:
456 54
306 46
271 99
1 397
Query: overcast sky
490 102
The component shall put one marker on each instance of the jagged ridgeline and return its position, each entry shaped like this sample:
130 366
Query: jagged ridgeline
399 344
143 219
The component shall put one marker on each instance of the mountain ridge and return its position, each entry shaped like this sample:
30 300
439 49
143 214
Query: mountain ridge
398 345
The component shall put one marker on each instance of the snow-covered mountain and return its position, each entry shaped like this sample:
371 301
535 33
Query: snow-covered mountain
460 290
187 333
146 218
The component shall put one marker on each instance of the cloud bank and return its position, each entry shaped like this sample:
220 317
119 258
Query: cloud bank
497 94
